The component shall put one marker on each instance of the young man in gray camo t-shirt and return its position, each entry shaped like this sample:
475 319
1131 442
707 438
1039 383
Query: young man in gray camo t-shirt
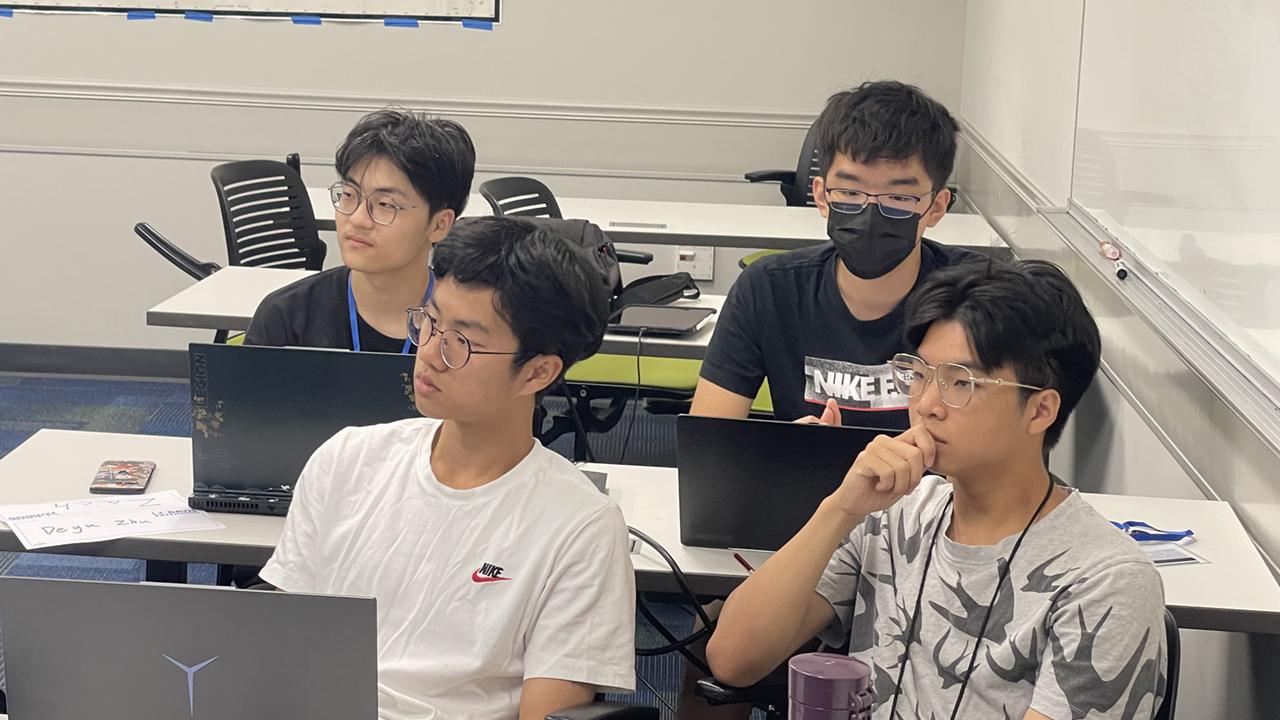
1020 600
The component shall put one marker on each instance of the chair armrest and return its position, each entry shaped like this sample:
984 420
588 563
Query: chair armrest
174 254
786 177
633 256
605 711
771 691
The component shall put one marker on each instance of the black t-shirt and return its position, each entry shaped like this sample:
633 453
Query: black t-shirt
313 312
785 320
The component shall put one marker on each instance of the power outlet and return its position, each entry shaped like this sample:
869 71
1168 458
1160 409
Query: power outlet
697 260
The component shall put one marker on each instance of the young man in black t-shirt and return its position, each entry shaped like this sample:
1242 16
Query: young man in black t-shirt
822 323
405 179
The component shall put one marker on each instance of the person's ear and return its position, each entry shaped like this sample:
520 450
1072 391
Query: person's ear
441 224
1042 411
937 208
820 195
539 374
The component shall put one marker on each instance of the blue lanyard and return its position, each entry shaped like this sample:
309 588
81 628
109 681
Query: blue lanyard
1143 532
355 324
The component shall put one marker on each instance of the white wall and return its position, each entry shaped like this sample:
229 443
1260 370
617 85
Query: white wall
1021 70
105 122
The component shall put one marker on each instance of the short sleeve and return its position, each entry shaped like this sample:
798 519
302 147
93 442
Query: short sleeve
1107 653
295 565
269 326
839 582
583 628
735 356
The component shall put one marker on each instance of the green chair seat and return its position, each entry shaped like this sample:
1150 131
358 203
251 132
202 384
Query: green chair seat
671 374
763 404
746 262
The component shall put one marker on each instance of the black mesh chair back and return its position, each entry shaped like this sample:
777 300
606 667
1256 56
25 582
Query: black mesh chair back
796 186
801 193
267 216
521 197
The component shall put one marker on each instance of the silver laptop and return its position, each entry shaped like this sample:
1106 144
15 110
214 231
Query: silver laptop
100 651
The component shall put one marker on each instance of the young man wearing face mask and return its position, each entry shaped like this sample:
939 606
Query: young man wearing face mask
822 323
1015 598
405 179
504 584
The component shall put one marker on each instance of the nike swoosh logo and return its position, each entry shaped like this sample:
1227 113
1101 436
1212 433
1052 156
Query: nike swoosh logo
477 577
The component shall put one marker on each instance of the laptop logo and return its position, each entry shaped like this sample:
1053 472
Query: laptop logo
191 679
488 572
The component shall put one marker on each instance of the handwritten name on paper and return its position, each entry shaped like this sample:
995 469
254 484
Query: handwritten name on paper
68 522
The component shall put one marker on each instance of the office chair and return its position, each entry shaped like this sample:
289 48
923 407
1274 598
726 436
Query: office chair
796 185
267 216
770 694
528 197
602 378
180 259
1173 670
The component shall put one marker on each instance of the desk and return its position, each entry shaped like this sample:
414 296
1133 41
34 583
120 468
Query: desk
1233 592
655 222
227 299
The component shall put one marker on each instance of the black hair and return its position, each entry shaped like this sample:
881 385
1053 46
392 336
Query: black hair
546 289
1026 315
437 155
888 120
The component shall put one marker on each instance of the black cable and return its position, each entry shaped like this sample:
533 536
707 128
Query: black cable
657 694
682 646
635 402
677 573
674 644
577 421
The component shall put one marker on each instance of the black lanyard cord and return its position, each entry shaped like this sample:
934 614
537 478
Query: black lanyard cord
986 618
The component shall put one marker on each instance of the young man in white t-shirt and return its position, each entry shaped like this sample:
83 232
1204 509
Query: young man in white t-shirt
977 588
504 584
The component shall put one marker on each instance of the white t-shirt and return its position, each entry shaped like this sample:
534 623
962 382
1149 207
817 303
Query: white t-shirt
478 590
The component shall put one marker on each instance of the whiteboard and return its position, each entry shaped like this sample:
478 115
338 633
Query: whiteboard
1177 153
426 10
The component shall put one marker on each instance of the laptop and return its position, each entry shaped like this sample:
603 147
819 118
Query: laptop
82 650
752 484
258 414
660 320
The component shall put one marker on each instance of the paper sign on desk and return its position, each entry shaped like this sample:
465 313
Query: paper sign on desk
70 522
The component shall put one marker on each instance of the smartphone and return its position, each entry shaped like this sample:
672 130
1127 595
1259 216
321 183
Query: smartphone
122 477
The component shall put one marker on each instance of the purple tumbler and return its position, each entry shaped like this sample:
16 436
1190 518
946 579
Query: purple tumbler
826 686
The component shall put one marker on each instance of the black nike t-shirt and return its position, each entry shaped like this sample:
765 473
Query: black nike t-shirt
313 312
785 320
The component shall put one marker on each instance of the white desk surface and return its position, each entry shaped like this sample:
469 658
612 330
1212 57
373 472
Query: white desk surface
227 299
722 224
58 464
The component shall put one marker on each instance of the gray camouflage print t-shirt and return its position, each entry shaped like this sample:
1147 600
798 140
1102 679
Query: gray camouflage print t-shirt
1077 630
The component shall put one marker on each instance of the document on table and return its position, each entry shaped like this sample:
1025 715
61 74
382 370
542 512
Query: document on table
70 522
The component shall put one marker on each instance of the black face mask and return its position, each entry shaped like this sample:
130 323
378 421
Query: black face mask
870 244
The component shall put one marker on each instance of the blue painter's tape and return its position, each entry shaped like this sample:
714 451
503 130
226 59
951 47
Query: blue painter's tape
142 15
477 24
198 16
400 22
6 12
306 19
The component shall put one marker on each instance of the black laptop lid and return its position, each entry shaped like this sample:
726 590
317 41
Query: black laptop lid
258 413
660 320
754 483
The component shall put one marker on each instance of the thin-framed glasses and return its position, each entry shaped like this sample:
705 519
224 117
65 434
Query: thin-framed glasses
892 205
455 348
911 376
347 197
